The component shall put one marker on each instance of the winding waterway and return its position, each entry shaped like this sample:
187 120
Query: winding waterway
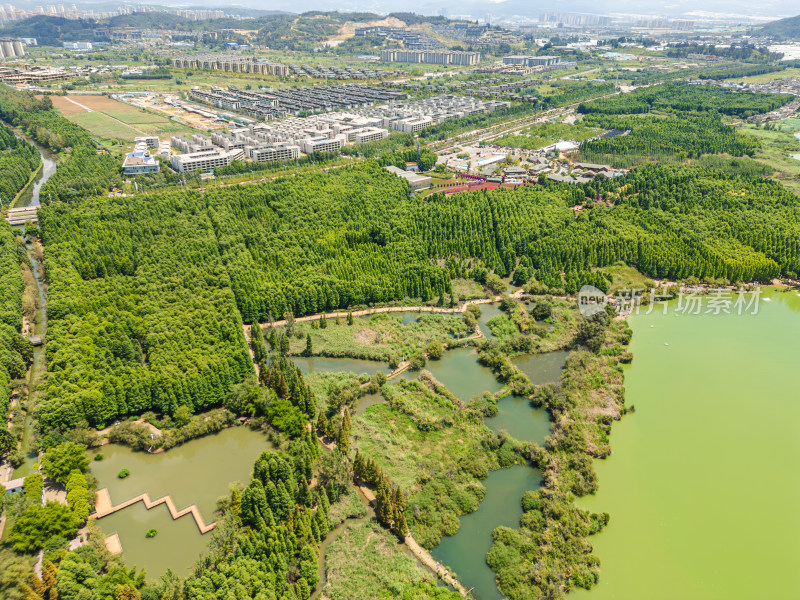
465 552
31 198
702 484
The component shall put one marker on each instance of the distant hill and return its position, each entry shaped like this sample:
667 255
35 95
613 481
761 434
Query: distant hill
51 31
148 20
783 29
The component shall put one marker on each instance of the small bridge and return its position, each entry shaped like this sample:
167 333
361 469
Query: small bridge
104 507
21 215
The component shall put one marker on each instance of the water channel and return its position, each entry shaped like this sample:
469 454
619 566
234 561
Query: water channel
465 552
31 198
197 472
702 484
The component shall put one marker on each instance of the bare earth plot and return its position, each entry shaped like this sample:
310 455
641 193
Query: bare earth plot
111 119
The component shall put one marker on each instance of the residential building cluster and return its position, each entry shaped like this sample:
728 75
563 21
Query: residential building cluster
413 116
231 62
478 35
410 38
532 61
321 72
26 75
431 57
268 104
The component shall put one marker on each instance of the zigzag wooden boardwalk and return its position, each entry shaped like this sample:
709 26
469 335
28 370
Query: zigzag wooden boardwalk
104 507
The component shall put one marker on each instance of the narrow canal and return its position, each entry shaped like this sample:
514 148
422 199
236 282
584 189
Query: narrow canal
39 327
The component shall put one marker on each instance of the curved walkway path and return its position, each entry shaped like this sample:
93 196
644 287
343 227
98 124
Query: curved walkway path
418 551
386 309
104 507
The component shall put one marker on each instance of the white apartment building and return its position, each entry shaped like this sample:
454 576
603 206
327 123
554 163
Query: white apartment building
204 160
273 152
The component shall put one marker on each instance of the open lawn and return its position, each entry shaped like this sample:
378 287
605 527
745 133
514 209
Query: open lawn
767 77
539 136
380 336
778 148
104 126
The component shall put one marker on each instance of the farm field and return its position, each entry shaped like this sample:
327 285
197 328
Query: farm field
110 119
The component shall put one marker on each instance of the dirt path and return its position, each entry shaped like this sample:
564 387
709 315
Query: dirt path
425 558
385 309
84 107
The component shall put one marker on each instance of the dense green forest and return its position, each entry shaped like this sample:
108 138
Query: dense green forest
146 297
654 136
686 97
141 314
38 118
673 121
82 171
15 351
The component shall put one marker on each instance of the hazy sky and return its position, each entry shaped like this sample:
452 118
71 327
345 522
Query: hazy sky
479 8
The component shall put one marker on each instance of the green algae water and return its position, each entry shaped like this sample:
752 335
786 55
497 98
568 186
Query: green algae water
465 552
702 486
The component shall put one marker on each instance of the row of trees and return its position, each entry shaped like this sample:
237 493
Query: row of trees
18 159
38 119
16 352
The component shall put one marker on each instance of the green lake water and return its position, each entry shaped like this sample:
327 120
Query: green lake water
324 364
197 472
465 552
458 370
702 486
177 545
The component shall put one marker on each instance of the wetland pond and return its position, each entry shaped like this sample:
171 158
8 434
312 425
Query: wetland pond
459 371
197 472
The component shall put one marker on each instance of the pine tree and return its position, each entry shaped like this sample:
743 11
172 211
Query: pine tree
344 432
358 465
323 322
308 351
402 526
322 423
350 318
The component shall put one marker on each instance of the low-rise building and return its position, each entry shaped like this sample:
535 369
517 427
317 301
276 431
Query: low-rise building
415 180
204 160
139 163
431 57
532 61
312 145
151 141
273 152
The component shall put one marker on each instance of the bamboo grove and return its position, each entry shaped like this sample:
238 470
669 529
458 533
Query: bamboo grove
148 296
